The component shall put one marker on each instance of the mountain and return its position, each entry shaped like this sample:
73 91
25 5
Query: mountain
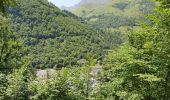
58 38
87 8
54 37
112 16
111 13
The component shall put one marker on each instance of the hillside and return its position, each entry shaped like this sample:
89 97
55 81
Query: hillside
111 13
51 54
52 37
87 8
115 17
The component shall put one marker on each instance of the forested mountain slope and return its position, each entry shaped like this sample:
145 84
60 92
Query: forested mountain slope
139 69
52 37
111 13
114 17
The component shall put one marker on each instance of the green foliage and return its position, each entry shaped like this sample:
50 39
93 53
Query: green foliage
126 72
137 70
10 48
120 5
140 68
112 15
6 3
53 38
111 21
164 3
3 85
66 84
11 85
17 83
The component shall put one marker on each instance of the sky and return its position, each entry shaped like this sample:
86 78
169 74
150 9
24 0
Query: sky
66 3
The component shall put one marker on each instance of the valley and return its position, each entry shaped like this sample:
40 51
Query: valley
94 50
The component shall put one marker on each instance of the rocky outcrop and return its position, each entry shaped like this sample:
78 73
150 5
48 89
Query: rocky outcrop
44 74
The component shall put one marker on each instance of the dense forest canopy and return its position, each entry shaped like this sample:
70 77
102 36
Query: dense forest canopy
51 54
54 38
6 3
140 68
115 17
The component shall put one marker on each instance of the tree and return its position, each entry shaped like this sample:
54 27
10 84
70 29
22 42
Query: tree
140 68
10 48
165 3
13 68
18 83
66 84
6 3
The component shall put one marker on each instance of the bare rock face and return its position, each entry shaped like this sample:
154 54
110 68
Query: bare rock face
44 74
93 81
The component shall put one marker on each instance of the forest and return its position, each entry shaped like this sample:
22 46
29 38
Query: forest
95 50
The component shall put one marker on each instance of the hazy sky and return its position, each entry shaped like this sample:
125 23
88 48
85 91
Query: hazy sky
67 3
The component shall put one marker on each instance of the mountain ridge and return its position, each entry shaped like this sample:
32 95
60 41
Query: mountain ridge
117 7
